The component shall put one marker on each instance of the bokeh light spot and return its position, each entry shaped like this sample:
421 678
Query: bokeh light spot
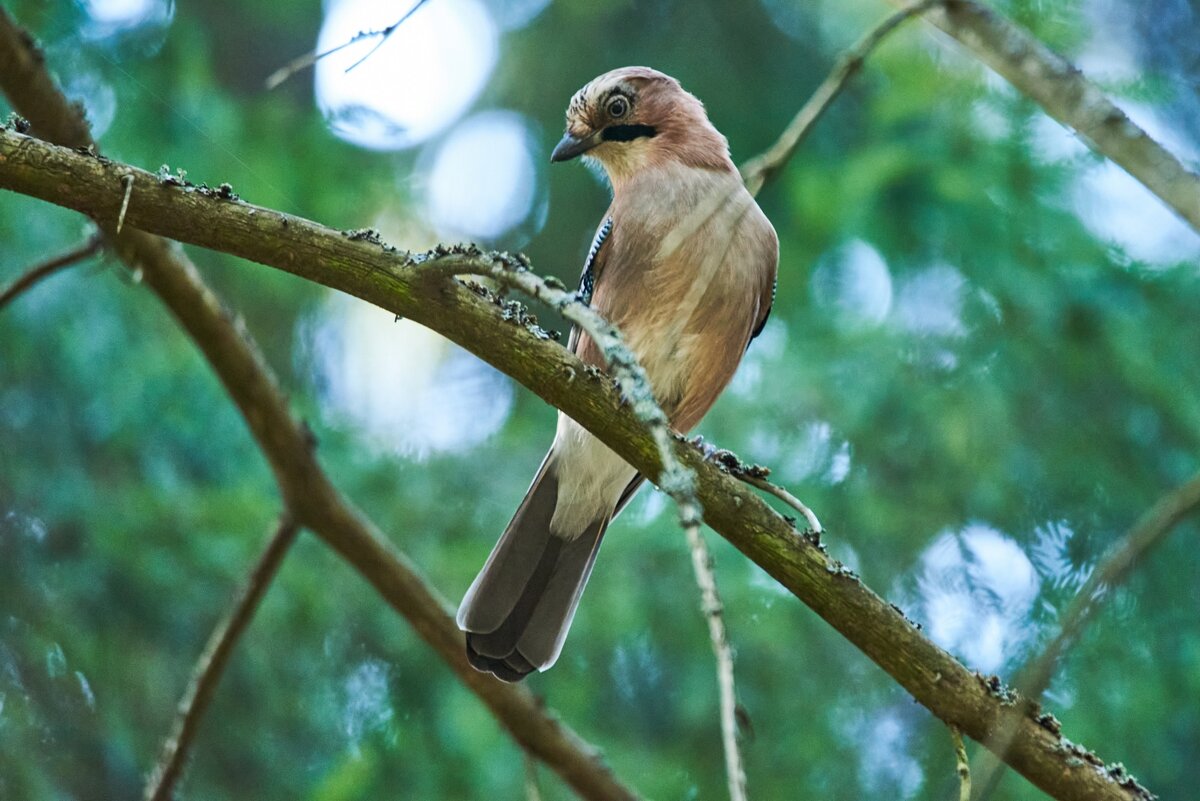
511 15
416 84
404 388
853 285
125 14
977 589
483 181
146 21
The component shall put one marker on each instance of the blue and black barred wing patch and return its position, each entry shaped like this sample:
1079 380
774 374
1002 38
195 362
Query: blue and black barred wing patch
587 281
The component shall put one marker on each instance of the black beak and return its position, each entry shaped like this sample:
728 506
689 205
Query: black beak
570 147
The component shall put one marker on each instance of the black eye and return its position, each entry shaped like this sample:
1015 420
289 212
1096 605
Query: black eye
618 107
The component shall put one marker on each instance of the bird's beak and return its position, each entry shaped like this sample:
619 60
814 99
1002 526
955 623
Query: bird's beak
571 146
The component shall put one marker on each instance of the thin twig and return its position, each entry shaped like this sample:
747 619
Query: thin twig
762 168
127 181
756 476
308 59
962 763
211 664
513 271
814 525
1114 569
44 270
714 610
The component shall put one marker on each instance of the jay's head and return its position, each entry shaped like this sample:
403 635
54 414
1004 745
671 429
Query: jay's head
635 118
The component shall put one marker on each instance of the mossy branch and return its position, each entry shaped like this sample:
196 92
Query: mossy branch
1066 95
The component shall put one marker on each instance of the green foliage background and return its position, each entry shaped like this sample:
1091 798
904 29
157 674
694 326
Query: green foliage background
1061 404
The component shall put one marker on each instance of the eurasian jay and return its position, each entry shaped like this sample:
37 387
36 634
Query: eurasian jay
684 264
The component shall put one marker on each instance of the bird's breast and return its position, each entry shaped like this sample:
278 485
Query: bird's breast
690 266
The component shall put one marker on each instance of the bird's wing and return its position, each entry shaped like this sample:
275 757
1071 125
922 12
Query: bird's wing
765 303
732 310
592 266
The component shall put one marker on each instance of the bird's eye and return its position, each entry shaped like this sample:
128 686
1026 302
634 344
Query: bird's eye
618 107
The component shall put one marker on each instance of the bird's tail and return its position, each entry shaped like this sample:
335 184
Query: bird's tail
517 611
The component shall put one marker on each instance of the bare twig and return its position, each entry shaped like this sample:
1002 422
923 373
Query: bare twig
963 765
44 270
308 59
756 476
763 167
1061 90
1113 569
211 664
814 525
713 610
127 181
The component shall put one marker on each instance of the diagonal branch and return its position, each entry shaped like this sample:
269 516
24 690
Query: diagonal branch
765 166
284 440
211 665
417 288
38 273
1061 90
1114 568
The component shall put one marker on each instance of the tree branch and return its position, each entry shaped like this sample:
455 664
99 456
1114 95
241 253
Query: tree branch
36 274
765 166
285 441
1113 570
713 609
1061 90
211 665
416 287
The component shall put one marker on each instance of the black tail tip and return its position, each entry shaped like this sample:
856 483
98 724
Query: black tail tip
512 668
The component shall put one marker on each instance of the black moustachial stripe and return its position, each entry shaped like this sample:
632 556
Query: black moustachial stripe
627 133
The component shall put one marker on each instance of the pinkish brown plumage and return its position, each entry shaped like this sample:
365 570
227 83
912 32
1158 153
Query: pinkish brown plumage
684 263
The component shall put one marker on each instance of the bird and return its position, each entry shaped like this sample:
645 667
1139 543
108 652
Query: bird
684 263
